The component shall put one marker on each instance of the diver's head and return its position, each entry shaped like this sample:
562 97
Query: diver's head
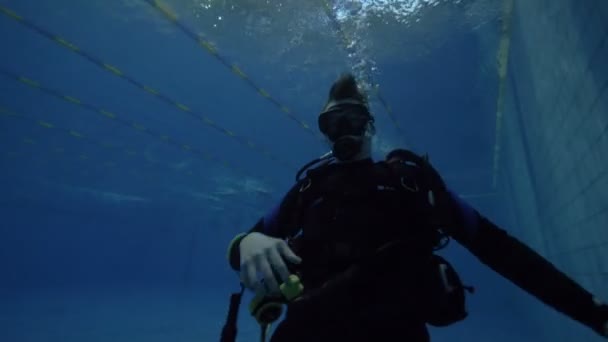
346 121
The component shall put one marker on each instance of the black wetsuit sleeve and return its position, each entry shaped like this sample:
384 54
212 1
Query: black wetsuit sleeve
277 223
531 272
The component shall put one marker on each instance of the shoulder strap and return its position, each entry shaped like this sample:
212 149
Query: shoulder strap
410 176
417 174
306 188
406 176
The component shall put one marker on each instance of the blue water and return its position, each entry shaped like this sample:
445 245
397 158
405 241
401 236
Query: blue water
108 233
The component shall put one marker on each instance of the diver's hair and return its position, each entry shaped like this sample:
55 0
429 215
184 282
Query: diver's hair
345 87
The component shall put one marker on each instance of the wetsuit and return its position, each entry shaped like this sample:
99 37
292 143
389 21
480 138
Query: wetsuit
351 217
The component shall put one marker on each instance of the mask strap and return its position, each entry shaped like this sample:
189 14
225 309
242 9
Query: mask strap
336 103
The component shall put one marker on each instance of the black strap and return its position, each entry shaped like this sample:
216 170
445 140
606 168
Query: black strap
307 188
263 332
230 328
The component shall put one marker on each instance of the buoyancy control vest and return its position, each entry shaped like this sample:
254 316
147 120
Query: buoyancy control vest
347 213
351 221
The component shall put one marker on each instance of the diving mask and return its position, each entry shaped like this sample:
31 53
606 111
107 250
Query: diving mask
345 125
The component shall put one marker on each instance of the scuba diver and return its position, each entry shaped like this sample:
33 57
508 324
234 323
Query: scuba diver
350 249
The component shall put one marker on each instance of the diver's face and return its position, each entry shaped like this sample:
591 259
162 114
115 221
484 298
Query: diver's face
349 128
343 120
366 146
353 147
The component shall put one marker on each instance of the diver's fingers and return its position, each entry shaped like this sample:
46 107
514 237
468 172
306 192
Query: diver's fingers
260 289
288 253
278 264
248 274
264 267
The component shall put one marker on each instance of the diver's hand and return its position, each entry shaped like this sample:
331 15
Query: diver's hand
264 255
